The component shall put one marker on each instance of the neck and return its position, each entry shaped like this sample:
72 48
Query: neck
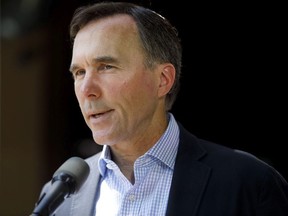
125 154
127 168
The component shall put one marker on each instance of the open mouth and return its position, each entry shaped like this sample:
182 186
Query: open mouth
98 115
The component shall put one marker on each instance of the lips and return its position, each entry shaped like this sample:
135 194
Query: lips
96 115
99 114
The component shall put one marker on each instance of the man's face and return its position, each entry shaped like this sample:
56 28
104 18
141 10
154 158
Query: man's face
117 94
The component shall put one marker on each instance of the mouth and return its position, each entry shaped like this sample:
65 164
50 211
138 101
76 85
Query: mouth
98 115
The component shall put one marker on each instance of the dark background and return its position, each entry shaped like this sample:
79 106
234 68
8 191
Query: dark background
233 91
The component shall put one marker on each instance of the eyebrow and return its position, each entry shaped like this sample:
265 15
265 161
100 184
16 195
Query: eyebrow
73 68
102 59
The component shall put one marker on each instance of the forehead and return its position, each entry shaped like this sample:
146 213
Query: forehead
120 25
113 31
115 36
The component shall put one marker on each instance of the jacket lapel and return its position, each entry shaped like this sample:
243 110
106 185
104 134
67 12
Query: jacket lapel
190 177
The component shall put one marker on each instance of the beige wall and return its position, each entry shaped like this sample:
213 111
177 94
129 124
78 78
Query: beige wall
23 69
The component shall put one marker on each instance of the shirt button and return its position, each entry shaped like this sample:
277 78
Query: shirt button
132 197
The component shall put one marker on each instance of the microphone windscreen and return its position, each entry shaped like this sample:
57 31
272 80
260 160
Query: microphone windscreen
77 168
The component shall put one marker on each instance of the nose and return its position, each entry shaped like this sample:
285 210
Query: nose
90 86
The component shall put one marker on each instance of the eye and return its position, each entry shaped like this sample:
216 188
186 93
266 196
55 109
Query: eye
105 67
78 73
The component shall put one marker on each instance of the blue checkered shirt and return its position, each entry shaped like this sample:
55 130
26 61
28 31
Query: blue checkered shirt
153 171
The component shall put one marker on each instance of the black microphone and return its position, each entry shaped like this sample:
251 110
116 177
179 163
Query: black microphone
67 180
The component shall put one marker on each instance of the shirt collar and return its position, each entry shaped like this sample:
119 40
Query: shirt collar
105 155
165 149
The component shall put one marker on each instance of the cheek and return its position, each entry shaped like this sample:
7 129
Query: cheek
76 91
147 85
79 96
140 89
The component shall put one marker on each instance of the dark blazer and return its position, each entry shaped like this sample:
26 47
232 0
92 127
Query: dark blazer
208 180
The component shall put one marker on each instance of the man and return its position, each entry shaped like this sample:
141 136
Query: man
126 65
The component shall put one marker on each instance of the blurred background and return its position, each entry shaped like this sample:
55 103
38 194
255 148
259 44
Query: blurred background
234 88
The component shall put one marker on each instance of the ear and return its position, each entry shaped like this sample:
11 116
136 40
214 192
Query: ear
167 78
